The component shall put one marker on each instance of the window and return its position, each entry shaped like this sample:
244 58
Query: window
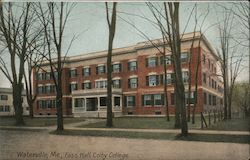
79 102
167 59
204 59
170 79
86 71
116 68
49 88
48 76
130 101
132 66
117 101
158 99
214 100
209 63
132 83
151 62
73 73
4 97
101 84
103 101
205 98
41 89
204 78
43 104
185 76
40 76
100 69
4 108
184 57
210 99
86 85
152 80
147 100
192 97
73 86
117 83
153 100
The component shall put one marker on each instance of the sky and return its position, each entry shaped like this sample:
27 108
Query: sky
88 23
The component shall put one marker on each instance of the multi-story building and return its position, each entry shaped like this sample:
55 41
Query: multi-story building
138 76
6 103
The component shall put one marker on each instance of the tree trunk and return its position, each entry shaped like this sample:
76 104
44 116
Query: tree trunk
112 27
17 103
165 86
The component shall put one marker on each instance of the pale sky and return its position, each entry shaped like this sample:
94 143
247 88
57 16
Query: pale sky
88 22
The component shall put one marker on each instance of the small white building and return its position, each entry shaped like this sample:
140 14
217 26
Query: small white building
6 102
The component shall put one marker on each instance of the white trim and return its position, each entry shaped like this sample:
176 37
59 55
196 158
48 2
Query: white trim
73 68
151 56
100 65
133 76
118 62
101 79
73 82
132 60
86 81
152 73
86 67
116 78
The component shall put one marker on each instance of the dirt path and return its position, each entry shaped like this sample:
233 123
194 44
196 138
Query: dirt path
42 146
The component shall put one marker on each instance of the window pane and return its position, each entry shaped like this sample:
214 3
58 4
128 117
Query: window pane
184 57
147 100
152 61
152 80
132 66
133 82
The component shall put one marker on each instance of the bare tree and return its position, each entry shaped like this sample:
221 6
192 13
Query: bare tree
18 32
33 63
112 28
54 17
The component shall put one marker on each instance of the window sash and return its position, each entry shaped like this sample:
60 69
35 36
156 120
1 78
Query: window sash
133 66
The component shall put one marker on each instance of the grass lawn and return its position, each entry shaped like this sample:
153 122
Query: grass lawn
232 125
142 123
159 136
162 123
38 121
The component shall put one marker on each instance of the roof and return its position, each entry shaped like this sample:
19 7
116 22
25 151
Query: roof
138 46
9 91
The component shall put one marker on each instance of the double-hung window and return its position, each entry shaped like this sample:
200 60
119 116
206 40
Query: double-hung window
117 68
86 71
132 66
132 82
100 69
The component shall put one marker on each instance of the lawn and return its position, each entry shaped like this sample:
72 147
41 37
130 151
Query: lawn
232 125
158 136
143 123
162 123
38 121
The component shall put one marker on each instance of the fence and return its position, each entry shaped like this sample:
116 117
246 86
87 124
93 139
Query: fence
216 115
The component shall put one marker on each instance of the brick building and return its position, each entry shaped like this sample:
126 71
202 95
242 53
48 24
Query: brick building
137 80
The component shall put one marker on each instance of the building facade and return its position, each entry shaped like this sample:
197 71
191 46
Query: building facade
138 80
6 103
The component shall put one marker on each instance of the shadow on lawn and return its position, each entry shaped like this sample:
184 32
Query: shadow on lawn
244 139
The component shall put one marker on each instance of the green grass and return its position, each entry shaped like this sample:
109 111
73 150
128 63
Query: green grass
37 121
142 123
232 125
158 136
162 123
